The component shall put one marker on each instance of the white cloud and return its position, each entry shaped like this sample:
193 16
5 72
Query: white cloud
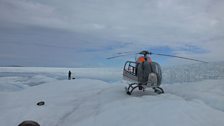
29 13
141 23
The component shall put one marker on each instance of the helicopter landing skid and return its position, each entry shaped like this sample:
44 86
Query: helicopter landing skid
158 90
133 86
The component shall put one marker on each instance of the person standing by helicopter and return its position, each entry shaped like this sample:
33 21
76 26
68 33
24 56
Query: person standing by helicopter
69 75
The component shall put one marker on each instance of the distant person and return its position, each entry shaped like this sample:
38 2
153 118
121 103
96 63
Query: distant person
69 75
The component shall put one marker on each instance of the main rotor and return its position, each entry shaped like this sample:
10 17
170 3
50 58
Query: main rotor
145 53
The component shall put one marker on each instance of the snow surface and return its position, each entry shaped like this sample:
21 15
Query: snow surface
97 98
193 72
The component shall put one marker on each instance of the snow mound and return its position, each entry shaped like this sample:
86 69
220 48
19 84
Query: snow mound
19 78
208 91
85 102
193 72
17 83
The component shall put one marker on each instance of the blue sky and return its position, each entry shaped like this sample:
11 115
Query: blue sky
82 33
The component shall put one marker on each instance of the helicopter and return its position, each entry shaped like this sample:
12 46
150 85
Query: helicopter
143 72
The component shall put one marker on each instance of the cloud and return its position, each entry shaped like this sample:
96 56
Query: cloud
29 13
187 28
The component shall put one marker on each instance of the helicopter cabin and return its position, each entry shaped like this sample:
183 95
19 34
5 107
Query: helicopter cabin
131 71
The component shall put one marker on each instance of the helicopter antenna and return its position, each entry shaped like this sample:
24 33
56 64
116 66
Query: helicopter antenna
178 57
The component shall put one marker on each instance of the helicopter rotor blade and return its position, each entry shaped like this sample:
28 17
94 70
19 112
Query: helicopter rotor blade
112 57
128 52
178 57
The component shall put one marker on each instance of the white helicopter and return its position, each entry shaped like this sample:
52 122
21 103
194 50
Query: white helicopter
143 72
